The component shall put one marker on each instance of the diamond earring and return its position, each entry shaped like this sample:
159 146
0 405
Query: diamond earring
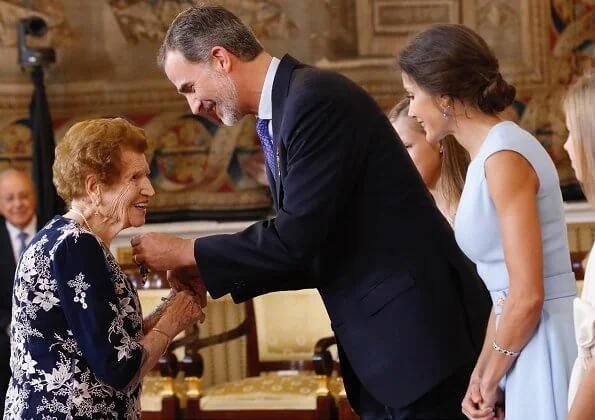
445 112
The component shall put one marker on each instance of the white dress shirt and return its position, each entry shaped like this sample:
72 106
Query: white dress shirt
265 106
584 329
13 232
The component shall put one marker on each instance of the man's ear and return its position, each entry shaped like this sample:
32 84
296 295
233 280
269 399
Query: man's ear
221 59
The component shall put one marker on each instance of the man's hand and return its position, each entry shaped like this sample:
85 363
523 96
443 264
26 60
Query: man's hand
188 278
161 252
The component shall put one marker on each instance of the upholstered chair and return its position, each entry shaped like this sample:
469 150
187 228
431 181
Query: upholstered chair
286 380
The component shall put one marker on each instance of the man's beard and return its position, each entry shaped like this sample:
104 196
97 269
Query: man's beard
228 100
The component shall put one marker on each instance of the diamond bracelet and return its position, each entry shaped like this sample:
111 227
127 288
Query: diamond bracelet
504 351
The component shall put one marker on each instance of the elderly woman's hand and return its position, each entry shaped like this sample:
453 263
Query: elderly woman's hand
182 311
188 279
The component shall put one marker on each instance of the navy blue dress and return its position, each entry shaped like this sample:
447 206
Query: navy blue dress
76 331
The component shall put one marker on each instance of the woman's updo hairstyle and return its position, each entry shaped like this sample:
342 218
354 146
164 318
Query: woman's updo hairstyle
455 61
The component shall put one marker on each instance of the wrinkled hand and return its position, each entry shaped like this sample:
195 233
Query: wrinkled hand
474 405
161 252
188 279
255 168
181 313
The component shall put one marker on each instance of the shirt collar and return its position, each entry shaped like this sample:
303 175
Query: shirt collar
265 107
31 229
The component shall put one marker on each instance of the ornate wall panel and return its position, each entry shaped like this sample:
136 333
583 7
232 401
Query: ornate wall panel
384 25
516 29
518 33
542 46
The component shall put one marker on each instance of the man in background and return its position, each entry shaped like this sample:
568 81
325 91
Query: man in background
18 225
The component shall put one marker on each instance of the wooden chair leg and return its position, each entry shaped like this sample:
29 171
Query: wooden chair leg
345 410
325 408
192 408
171 408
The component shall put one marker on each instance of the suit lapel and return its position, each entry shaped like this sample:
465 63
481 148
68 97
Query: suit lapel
272 186
279 95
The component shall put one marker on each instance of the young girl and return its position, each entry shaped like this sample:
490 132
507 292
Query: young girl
442 166
579 106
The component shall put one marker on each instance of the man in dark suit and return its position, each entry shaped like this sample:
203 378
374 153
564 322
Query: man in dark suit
17 228
353 220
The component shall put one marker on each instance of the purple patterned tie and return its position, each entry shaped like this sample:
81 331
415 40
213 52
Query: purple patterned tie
23 238
262 129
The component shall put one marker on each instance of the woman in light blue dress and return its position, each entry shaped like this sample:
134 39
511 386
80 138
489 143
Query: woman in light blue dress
510 222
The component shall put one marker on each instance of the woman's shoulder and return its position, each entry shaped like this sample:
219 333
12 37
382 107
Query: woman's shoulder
62 233
507 135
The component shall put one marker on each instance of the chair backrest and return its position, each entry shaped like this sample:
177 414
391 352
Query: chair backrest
288 326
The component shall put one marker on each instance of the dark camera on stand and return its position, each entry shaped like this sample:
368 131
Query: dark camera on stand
30 56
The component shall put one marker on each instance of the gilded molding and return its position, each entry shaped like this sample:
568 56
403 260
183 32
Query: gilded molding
99 96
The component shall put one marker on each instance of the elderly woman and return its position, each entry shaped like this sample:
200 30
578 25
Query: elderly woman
79 344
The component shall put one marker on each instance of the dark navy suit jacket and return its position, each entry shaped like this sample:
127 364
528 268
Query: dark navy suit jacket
7 269
355 221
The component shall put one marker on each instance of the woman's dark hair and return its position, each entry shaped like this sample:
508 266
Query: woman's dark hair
455 61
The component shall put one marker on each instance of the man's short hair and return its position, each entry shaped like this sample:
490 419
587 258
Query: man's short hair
195 31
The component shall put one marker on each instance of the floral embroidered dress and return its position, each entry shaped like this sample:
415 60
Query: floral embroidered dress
75 333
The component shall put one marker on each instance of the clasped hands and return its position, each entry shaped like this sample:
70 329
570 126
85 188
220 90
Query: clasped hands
483 401
162 252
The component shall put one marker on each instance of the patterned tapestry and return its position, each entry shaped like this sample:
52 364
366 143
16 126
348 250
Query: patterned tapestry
571 41
196 166
149 19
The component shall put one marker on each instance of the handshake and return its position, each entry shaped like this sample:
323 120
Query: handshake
187 280
162 252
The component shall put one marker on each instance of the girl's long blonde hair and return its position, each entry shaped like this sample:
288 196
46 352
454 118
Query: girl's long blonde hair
579 107
455 160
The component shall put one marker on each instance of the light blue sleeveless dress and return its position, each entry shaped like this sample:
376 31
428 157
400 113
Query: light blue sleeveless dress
536 387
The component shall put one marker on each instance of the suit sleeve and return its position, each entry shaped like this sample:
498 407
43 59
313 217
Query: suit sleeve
7 270
277 254
94 313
